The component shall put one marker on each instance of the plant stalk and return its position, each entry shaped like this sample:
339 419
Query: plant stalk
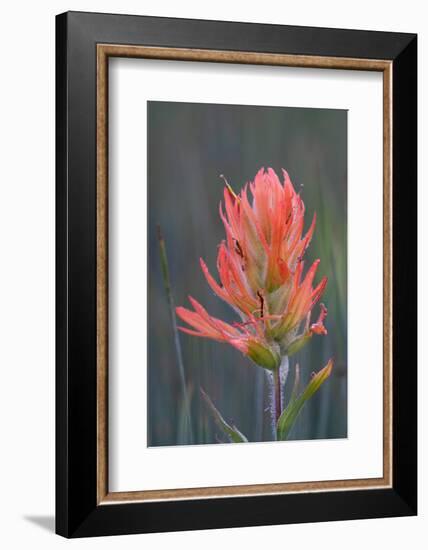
278 379
277 394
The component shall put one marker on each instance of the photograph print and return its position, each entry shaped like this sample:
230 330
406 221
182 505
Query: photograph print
247 263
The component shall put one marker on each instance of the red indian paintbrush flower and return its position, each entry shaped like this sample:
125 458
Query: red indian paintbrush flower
260 265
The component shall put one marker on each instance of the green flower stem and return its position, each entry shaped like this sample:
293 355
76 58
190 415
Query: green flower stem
277 394
283 376
278 379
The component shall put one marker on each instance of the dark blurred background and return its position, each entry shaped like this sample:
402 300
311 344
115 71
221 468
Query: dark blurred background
189 146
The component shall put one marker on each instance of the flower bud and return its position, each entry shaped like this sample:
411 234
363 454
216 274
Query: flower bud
264 355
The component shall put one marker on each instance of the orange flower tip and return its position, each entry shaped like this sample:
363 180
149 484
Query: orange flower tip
181 312
192 301
318 328
285 174
229 188
323 313
323 284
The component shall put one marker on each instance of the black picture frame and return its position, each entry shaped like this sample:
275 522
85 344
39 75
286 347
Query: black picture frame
77 511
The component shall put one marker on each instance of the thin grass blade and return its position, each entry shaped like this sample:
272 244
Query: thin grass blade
168 289
232 432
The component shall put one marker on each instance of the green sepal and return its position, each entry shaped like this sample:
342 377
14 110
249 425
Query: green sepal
232 432
297 344
291 412
263 355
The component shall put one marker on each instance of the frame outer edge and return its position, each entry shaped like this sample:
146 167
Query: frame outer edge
405 274
263 37
61 268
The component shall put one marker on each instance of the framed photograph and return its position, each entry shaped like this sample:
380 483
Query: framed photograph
236 274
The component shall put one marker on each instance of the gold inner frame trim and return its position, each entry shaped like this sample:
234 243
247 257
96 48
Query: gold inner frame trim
104 51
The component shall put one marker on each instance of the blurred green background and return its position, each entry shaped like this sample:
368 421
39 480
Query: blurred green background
189 146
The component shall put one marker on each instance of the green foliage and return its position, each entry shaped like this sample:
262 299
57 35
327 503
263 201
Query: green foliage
291 412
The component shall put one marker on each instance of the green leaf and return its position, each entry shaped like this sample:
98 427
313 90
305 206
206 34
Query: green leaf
291 412
232 432
296 383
